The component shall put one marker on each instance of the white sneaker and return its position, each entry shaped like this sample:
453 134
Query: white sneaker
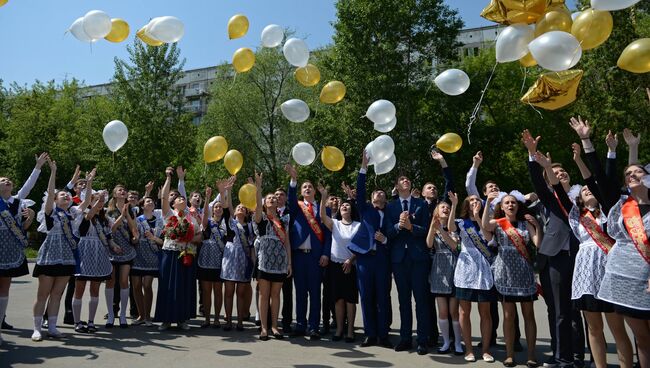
36 336
55 334
184 326
164 326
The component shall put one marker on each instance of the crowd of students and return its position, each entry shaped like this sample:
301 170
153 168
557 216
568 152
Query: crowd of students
584 249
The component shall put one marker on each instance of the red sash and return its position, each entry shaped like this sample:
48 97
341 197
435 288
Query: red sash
279 229
634 224
311 220
514 236
559 202
602 240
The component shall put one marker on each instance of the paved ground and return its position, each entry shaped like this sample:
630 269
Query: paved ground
142 347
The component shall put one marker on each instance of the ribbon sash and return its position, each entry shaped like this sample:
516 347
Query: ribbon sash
99 228
311 220
217 236
11 223
602 240
477 239
517 240
279 229
239 228
66 225
634 225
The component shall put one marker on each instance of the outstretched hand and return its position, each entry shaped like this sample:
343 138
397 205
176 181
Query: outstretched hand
581 127
529 142
542 160
630 139
322 190
477 160
41 159
612 141
575 147
291 171
453 198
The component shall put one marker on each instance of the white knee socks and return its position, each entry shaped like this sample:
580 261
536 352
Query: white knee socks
76 310
444 331
92 308
51 324
458 337
124 301
108 293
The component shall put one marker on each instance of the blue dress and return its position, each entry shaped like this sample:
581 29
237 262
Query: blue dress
237 264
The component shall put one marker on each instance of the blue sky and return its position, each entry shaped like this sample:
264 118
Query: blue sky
34 45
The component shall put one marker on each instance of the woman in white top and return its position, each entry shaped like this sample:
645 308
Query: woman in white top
342 272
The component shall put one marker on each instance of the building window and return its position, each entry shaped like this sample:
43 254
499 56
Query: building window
196 103
476 51
466 52
195 85
196 120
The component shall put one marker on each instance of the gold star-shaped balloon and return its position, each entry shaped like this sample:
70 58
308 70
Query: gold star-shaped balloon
515 11
554 90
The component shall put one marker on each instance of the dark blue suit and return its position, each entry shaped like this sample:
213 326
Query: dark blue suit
411 264
373 267
307 274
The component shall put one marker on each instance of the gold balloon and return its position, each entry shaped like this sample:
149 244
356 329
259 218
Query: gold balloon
2 2
332 157
514 11
243 60
553 20
119 30
332 92
237 26
308 75
248 196
449 143
636 57
528 60
554 90
215 148
146 39
592 28
558 7
233 161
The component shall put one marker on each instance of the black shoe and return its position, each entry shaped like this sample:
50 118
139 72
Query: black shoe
336 337
227 327
91 327
109 325
258 323
350 339
432 342
264 337
324 331
385 342
6 326
404 346
518 347
444 351
579 363
124 325
239 327
79 327
314 336
287 328
278 335
68 319
369 341
422 349
297 333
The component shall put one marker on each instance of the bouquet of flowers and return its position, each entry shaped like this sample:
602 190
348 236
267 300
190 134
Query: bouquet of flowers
181 230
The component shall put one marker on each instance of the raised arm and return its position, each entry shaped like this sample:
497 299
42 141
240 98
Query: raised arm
164 193
97 206
327 221
89 190
451 221
292 192
487 223
180 172
130 221
148 188
23 192
446 173
533 229
49 203
206 208
258 207
361 183
633 146
470 180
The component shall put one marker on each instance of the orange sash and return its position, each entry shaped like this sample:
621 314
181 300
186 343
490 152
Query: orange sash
279 229
514 236
602 240
559 202
311 220
634 224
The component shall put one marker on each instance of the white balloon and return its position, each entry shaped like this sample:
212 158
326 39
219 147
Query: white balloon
386 166
612 4
167 29
303 153
385 128
381 112
296 52
556 50
512 42
575 15
272 35
452 82
295 110
382 148
368 150
115 135
77 30
97 24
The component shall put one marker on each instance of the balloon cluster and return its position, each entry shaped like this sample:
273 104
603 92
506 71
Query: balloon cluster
162 30
545 33
96 25
216 148
381 154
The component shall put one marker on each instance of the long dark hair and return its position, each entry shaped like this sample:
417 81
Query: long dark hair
465 211
521 209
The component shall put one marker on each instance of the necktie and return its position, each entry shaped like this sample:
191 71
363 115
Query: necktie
405 205
310 207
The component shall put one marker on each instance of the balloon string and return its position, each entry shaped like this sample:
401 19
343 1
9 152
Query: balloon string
523 84
477 108
233 80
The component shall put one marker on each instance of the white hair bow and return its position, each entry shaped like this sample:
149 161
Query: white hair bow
515 193
574 192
